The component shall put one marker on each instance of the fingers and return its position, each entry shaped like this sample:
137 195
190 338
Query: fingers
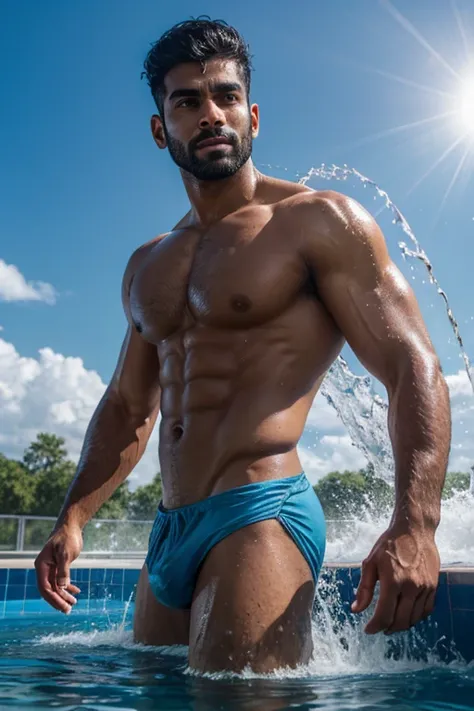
385 609
407 607
65 594
429 604
44 572
63 584
56 595
365 591
411 609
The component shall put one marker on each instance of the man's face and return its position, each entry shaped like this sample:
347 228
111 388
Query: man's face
211 106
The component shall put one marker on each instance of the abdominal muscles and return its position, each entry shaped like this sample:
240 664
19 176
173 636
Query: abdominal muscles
234 402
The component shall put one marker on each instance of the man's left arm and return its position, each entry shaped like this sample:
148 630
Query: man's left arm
376 311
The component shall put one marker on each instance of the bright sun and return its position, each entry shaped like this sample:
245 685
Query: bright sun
466 106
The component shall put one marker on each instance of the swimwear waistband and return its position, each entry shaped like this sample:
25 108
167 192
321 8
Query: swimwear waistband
202 504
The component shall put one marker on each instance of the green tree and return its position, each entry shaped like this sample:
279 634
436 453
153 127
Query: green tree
45 454
455 481
17 487
347 494
145 499
117 505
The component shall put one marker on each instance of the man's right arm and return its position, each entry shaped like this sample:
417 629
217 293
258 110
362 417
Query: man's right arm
121 425
115 440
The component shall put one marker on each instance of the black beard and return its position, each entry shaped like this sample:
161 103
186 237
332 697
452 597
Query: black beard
218 164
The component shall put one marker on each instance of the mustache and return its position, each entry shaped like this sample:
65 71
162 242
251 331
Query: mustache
217 133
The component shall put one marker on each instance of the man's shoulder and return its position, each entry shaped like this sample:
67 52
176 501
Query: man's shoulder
140 254
313 201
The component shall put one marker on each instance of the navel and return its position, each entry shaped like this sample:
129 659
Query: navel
240 303
178 431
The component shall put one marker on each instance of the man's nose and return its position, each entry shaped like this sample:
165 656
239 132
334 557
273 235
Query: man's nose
211 116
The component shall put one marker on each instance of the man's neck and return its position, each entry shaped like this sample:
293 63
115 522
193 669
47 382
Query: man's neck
211 200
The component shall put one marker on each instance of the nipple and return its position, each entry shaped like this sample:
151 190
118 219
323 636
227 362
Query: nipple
240 303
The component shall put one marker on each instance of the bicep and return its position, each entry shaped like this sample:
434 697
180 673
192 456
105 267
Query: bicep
136 377
372 303
383 325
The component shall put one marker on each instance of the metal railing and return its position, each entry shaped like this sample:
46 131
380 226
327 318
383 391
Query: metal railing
27 534
111 537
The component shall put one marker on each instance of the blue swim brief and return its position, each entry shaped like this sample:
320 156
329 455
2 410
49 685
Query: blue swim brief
181 538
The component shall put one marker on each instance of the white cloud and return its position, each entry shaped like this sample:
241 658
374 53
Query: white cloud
14 287
53 393
459 385
331 453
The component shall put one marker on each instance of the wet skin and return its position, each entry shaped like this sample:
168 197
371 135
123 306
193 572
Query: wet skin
234 317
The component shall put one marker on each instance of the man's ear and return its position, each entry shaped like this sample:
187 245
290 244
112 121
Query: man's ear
157 131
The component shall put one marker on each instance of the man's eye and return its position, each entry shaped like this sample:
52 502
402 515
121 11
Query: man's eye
231 96
188 102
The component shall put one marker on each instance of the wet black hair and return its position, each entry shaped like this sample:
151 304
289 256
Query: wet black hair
195 40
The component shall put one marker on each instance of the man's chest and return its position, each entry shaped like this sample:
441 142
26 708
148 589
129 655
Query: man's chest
239 274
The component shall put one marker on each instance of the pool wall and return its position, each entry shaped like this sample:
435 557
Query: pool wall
452 620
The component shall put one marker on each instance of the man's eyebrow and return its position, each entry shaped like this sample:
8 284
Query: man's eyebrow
215 87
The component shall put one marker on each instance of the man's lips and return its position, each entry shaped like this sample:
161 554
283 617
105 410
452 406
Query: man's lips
213 142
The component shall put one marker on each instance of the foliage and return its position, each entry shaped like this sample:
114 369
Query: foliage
37 486
455 481
145 499
347 494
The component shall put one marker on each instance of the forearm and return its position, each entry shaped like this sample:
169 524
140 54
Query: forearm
419 421
114 443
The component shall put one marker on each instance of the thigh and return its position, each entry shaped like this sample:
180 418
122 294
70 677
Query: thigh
154 623
252 603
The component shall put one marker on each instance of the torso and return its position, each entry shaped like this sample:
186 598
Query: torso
243 343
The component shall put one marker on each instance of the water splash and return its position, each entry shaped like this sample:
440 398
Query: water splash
364 413
335 172
341 647
349 540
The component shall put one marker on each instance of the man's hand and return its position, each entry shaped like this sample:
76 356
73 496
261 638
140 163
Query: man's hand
406 563
52 567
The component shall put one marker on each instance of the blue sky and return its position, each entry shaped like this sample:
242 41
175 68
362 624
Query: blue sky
82 184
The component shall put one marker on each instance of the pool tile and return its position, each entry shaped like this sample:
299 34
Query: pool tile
463 628
462 597
115 576
97 575
17 576
3 576
97 591
31 576
355 574
131 576
115 591
16 592
461 577
3 590
79 575
443 578
128 590
440 623
31 592
85 590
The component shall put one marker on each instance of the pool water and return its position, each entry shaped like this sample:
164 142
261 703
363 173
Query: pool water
89 661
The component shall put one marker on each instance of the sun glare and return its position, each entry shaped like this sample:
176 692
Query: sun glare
466 106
